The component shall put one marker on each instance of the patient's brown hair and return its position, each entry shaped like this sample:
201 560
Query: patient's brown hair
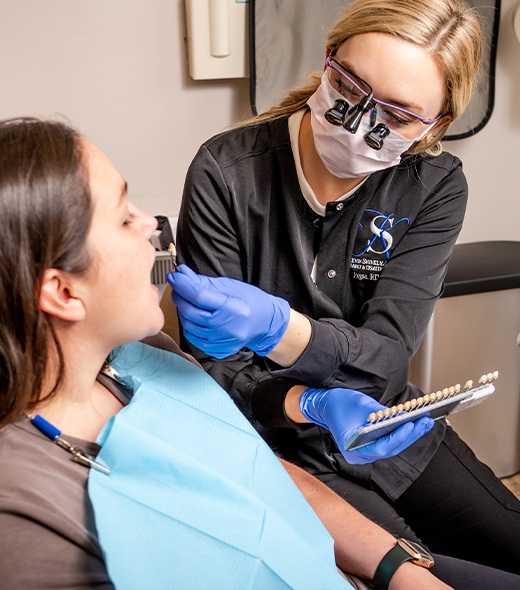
45 215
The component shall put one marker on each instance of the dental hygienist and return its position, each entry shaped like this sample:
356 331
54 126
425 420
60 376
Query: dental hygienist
335 213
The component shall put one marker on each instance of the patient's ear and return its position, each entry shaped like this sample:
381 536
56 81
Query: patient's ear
58 298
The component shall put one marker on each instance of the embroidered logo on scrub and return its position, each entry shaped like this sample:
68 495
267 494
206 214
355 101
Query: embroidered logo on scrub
376 235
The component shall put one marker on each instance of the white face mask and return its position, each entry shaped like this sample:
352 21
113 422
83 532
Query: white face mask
345 154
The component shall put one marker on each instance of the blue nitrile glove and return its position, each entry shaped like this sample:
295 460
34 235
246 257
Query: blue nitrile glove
221 315
342 411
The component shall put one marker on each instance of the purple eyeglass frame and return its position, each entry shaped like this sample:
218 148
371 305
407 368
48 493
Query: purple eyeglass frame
332 63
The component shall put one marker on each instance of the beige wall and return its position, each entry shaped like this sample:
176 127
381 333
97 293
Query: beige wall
118 70
492 157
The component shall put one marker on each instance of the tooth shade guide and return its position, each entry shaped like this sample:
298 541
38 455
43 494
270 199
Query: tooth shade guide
173 254
427 399
436 405
488 378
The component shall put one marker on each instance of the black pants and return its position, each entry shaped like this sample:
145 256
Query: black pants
465 575
457 507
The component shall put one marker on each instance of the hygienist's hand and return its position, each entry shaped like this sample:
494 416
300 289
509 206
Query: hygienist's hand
342 411
221 315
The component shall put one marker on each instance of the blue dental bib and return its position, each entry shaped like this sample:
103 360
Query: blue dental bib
195 498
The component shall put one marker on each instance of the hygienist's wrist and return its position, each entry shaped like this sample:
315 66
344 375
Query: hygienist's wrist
292 404
294 341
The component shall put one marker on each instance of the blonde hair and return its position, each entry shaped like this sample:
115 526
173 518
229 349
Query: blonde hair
449 30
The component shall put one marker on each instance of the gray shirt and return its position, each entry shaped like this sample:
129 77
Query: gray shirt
48 535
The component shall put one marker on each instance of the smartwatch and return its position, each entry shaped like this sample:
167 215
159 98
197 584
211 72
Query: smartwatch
404 550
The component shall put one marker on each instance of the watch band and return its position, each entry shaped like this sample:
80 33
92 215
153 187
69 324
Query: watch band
403 550
388 566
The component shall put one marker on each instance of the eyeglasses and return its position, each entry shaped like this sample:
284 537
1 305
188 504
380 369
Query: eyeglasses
354 89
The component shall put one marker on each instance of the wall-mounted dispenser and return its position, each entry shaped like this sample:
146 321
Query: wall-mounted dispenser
218 38
516 22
